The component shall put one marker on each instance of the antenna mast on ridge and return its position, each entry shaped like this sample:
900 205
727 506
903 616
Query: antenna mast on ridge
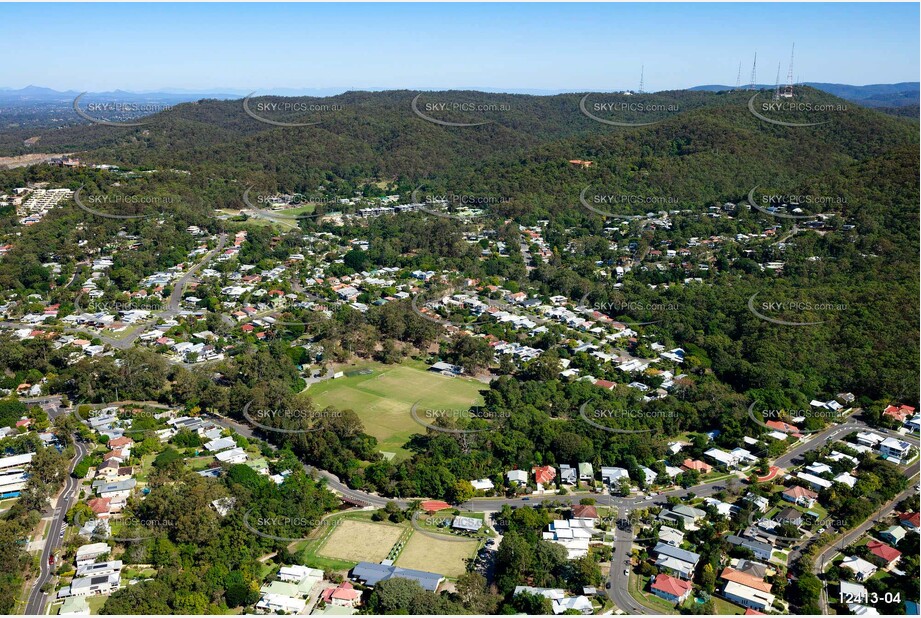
788 90
642 74
754 66
739 76
777 84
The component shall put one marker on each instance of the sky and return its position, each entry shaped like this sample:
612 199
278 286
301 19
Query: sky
512 47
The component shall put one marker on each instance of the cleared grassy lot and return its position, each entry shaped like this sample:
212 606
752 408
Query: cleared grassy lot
357 541
428 554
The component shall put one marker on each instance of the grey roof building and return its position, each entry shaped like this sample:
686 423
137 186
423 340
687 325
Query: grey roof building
760 549
371 574
676 552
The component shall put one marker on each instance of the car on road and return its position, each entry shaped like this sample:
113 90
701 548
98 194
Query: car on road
626 571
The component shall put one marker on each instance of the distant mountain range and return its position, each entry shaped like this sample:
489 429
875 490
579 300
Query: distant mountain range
872 95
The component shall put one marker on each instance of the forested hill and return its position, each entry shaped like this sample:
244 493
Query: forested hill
363 134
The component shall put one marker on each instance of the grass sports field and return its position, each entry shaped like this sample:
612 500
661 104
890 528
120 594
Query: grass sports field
428 554
355 541
383 399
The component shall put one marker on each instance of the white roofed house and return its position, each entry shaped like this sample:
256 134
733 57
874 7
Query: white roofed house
220 444
482 485
847 478
87 554
737 458
862 569
747 596
868 438
573 534
649 475
896 451
816 482
298 574
612 475
517 477
232 456
671 536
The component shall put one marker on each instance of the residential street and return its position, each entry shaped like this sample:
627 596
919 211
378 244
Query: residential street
37 598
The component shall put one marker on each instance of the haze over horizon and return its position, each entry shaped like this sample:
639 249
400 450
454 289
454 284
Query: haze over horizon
236 49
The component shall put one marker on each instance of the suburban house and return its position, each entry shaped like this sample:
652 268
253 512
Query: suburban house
86 586
611 475
737 458
851 591
816 482
800 495
680 562
74 606
305 577
912 521
99 568
899 413
573 534
586 472
670 588
747 596
275 603
868 438
893 534
696 465
517 477
747 589
119 489
482 485
861 569
568 475
789 515
232 456
884 554
343 595
894 450
543 474
87 554
558 599
671 536
759 548
584 511
686 514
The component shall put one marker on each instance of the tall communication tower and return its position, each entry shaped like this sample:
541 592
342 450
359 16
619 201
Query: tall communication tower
751 86
642 74
777 84
739 76
788 89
